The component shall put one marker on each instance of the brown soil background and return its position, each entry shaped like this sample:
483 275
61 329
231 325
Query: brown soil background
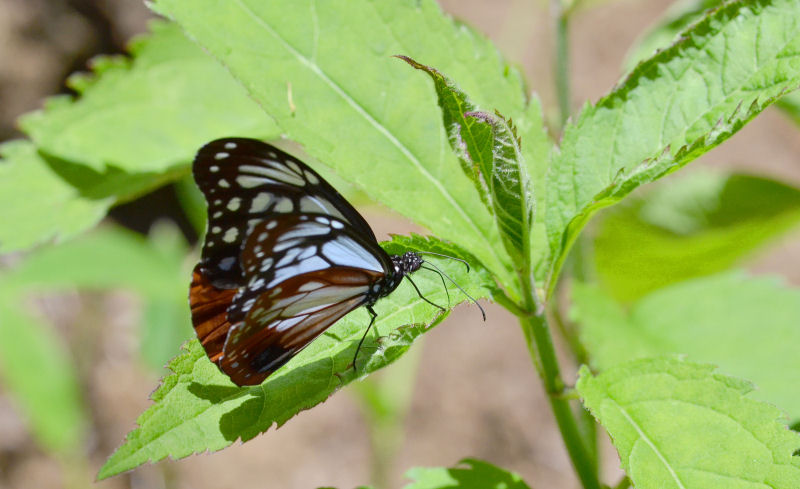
477 393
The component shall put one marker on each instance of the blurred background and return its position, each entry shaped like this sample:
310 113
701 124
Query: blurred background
485 402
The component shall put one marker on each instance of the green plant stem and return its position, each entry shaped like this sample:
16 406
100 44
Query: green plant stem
580 266
561 25
542 351
543 354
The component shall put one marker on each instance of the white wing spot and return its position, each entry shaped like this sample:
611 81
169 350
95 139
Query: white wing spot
308 265
272 224
309 286
337 225
230 145
261 237
273 175
346 252
227 263
234 203
224 183
312 179
221 155
249 182
288 257
272 155
288 323
214 168
291 164
261 202
285 205
230 235
217 215
322 220
286 244
266 264
307 253
216 230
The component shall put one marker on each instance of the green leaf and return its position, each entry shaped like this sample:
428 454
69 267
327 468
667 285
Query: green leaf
678 425
111 257
470 473
672 108
38 205
197 408
747 326
469 137
679 16
37 370
490 154
148 114
694 225
325 72
511 192
114 258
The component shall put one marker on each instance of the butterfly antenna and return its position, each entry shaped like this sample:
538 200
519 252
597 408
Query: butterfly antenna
422 296
446 291
459 287
445 256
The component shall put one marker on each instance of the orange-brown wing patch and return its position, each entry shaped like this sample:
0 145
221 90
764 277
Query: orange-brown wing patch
209 313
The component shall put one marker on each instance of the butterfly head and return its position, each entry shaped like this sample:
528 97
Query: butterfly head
406 263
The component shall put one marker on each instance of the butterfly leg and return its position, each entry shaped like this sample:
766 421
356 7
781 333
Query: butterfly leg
372 315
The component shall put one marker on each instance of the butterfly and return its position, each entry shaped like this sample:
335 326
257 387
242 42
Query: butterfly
285 256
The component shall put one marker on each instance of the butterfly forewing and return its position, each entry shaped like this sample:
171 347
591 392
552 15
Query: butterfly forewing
244 181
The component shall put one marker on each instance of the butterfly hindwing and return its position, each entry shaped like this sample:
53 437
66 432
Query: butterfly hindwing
304 273
246 180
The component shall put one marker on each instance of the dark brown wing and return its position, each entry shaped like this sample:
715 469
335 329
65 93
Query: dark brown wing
245 181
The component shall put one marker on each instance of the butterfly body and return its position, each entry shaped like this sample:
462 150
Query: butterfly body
285 256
